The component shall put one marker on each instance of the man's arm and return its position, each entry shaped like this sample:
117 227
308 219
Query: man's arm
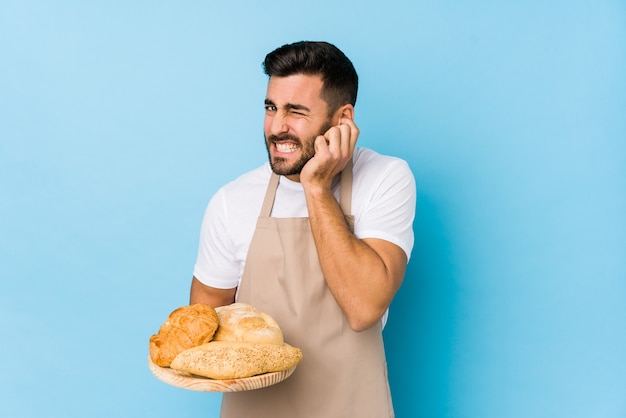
363 275
201 293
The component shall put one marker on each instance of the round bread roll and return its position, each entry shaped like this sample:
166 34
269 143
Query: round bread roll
240 322
186 327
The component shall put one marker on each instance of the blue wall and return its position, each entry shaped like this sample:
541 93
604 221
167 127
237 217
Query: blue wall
118 121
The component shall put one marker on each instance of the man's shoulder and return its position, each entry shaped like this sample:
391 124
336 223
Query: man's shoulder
367 160
242 196
250 180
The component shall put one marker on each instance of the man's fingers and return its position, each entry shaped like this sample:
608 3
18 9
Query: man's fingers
342 138
354 130
321 144
334 138
346 140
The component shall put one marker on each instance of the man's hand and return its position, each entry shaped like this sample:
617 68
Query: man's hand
333 150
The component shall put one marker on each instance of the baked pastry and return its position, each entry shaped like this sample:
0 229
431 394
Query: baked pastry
186 327
244 323
233 360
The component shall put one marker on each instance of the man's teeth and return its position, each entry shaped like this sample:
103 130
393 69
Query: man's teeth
289 147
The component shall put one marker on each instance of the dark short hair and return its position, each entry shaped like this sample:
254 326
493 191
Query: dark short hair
317 58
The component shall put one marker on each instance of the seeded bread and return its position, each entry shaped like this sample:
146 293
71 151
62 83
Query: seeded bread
233 360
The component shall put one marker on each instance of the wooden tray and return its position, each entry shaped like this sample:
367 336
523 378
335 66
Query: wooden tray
203 384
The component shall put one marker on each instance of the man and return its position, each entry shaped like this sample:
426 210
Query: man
319 238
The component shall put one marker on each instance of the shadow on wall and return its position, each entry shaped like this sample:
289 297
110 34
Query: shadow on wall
419 336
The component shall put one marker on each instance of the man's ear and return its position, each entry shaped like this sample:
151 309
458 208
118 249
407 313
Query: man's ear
345 111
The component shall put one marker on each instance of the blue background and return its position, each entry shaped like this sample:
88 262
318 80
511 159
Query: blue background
119 120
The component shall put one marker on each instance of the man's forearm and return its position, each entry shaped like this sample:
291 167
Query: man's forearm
362 279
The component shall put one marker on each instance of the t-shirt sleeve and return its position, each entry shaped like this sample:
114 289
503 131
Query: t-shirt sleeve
390 210
216 265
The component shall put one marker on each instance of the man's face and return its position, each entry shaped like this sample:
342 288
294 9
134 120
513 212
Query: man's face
294 116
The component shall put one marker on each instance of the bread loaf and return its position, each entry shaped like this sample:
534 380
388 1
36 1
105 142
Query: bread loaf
234 360
240 322
185 327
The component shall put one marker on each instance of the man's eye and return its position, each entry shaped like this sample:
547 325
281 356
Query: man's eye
270 108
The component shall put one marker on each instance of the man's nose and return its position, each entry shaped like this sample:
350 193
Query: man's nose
279 124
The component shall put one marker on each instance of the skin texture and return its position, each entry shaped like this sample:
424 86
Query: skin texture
362 274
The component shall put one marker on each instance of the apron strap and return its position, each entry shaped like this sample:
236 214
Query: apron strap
345 193
270 194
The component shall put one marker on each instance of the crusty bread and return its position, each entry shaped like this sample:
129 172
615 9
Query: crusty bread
234 360
244 323
186 327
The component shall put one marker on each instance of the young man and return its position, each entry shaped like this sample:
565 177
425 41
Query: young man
319 238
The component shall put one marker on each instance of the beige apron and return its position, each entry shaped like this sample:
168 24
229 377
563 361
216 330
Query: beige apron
343 373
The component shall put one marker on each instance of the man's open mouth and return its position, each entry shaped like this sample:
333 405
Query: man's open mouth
286 146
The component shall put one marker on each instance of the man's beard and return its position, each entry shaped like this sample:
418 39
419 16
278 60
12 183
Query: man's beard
279 165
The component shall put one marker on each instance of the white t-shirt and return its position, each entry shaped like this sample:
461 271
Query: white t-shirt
383 205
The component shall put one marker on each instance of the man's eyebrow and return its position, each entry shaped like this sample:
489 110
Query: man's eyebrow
289 106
